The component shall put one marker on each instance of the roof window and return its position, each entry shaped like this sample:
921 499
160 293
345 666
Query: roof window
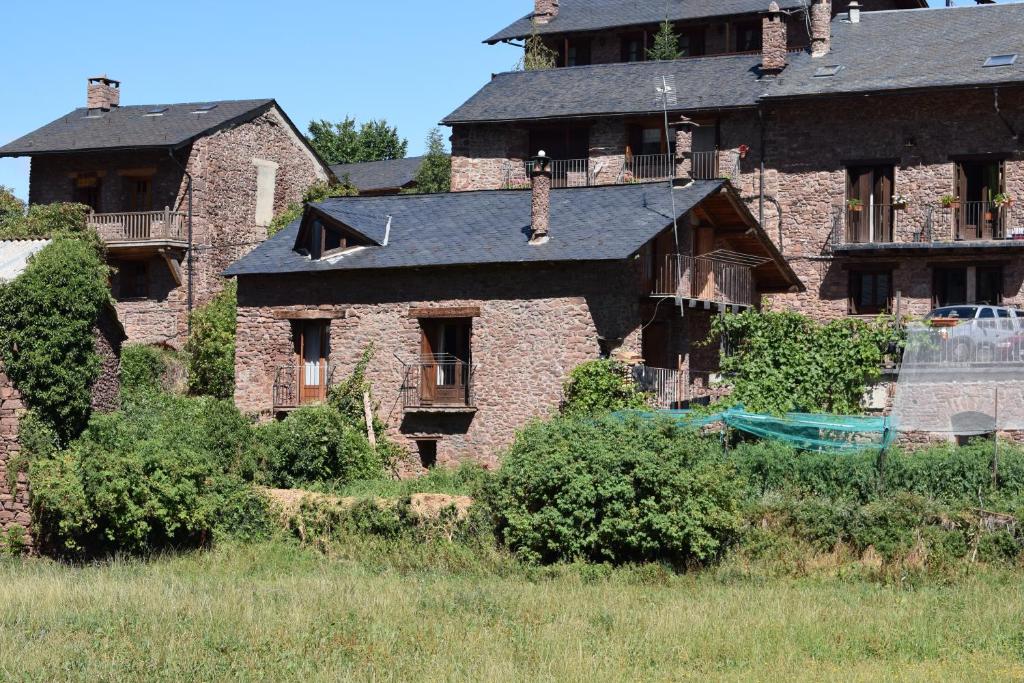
827 71
1001 60
203 108
156 111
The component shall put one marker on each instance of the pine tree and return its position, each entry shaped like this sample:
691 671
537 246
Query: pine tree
435 174
666 44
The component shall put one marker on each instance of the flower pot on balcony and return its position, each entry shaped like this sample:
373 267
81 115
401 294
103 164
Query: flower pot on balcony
857 208
900 206
989 215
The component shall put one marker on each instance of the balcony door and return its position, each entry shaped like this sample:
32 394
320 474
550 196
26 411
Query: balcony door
445 360
869 208
569 149
312 340
87 191
977 183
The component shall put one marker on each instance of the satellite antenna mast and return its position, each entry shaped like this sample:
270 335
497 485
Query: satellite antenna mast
666 88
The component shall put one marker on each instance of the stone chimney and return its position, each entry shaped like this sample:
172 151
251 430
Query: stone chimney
103 93
773 41
540 202
821 27
544 10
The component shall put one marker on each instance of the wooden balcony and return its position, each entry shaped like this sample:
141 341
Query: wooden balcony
707 281
133 229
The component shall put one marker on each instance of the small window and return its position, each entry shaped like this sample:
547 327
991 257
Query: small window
132 280
203 108
748 37
156 111
633 48
1001 60
827 71
692 44
870 292
427 449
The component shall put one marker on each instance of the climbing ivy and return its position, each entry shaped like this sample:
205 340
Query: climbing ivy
47 316
784 361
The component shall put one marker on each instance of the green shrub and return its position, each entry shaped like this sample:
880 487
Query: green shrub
316 444
598 387
142 367
615 491
211 346
47 316
890 524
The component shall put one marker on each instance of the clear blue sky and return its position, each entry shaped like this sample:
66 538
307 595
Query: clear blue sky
409 61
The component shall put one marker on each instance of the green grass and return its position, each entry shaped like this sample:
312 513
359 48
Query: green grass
277 612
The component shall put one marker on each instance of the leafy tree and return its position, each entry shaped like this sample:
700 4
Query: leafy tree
342 143
211 346
47 316
666 44
317 192
435 175
12 209
784 361
536 55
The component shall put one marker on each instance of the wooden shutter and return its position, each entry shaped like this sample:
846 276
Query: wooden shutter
882 215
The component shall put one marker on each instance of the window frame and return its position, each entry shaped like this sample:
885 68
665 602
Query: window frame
856 290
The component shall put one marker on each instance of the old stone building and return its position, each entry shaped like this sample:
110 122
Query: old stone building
479 304
178 192
883 158
108 335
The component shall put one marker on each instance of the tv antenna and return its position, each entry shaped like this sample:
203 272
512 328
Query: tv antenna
667 95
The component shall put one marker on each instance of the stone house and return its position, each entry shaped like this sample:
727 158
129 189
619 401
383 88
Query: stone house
109 335
178 192
844 150
388 176
479 304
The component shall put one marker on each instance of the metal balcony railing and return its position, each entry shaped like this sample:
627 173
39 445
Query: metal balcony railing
301 384
564 173
139 226
439 381
641 168
969 221
702 278
668 389
865 224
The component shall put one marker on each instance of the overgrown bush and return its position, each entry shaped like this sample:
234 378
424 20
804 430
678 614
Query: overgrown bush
142 367
316 444
610 490
167 471
47 316
211 346
785 361
598 387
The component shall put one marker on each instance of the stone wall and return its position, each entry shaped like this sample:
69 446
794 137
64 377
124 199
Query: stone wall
106 390
536 323
14 505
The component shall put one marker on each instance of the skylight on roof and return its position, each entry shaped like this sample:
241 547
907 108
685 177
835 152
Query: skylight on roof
1001 60
156 111
203 108
827 71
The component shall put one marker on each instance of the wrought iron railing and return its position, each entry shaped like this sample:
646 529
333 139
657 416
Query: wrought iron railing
648 167
865 223
702 278
301 384
436 382
139 226
564 173
969 221
668 389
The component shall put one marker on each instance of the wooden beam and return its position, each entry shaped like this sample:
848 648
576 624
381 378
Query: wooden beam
174 266
445 312
307 314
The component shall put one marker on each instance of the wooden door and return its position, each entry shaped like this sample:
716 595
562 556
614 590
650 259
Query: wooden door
654 341
313 343
445 364
703 274
881 204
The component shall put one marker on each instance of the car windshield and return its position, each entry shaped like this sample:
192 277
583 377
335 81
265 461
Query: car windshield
961 312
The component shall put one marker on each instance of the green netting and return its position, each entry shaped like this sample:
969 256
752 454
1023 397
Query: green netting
807 431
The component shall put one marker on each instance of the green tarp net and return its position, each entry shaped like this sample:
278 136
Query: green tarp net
807 431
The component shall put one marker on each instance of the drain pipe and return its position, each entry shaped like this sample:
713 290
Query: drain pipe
190 251
760 194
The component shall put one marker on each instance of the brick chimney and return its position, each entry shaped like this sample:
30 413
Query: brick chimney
773 41
544 10
103 93
540 201
821 27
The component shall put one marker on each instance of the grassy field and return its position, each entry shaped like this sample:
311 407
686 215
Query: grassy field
278 612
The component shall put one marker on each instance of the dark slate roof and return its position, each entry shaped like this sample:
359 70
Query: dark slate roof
489 227
374 176
906 49
129 128
609 89
594 15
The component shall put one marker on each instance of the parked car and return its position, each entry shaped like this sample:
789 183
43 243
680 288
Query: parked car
978 333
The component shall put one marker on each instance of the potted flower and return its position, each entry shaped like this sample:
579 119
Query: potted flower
1002 199
744 150
899 202
949 201
855 205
